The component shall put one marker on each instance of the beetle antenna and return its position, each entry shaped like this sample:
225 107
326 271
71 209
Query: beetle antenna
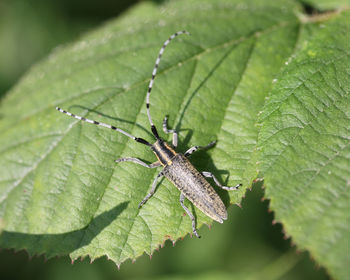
137 139
154 72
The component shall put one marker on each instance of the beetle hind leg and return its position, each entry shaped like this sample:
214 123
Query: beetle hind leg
210 175
182 198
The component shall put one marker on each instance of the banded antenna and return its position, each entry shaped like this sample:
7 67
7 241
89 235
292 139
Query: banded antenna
137 139
153 128
154 73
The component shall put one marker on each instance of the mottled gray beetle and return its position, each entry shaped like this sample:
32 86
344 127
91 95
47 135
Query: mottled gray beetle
176 166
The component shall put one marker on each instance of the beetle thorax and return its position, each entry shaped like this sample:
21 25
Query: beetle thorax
163 152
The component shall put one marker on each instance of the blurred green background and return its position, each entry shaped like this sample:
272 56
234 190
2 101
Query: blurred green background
247 246
30 29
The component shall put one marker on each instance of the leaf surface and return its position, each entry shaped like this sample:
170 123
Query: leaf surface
60 190
304 146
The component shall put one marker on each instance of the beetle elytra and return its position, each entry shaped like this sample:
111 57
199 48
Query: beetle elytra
176 167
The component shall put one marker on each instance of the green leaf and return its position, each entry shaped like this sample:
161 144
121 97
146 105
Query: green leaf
304 147
62 193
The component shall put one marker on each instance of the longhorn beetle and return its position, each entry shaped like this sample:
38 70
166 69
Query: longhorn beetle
176 167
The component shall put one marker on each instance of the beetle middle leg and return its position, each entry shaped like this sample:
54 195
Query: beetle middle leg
210 175
167 131
195 148
138 161
182 198
152 191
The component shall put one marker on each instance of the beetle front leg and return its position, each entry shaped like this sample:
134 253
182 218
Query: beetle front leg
173 131
210 175
195 148
153 189
182 198
140 162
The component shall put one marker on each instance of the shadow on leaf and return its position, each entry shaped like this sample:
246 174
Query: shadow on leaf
202 83
61 243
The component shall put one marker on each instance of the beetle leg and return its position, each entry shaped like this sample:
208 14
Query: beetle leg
152 191
210 175
140 162
182 198
195 148
173 131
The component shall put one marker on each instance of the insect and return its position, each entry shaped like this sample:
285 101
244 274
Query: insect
176 167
